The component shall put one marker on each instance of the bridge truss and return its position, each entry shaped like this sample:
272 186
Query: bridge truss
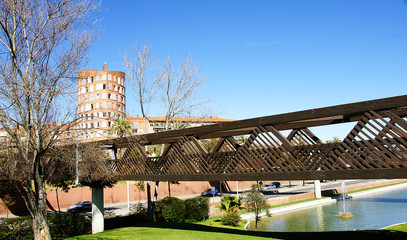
375 148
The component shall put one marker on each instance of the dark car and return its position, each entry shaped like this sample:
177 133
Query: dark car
82 206
209 192
271 186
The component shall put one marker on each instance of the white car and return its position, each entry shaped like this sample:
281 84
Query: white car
273 185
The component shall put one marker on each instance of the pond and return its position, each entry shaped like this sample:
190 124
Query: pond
374 211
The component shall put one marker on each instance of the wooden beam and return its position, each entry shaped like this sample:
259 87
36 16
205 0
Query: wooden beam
397 173
352 110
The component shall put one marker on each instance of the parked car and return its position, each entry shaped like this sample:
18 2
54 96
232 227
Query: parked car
82 206
273 185
208 192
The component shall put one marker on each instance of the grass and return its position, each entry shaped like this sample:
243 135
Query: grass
366 189
215 222
213 229
181 231
399 227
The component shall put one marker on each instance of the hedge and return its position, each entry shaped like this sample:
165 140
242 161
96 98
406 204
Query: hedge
62 225
197 208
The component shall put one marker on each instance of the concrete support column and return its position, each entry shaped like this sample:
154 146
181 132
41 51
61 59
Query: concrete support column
98 210
317 189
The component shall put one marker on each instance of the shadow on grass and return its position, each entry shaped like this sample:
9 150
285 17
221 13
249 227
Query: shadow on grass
345 235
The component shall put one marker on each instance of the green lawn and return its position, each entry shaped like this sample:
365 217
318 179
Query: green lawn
212 229
180 231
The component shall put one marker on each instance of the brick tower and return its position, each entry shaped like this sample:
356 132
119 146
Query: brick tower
101 98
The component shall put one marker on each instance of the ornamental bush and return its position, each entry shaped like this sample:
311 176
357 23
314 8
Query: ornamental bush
171 209
232 219
63 225
139 213
197 208
16 228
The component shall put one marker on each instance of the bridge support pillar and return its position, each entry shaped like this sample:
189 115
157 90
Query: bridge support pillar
98 210
317 189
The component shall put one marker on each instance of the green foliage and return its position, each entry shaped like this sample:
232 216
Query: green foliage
255 202
230 203
197 208
121 126
63 185
139 212
16 228
140 186
241 139
171 209
64 225
210 144
232 219
334 140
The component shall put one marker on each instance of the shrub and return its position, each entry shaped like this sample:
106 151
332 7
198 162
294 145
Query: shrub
197 208
139 212
230 203
232 219
61 225
64 225
171 209
16 228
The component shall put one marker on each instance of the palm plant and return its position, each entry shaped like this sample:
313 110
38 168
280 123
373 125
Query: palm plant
230 204
241 139
121 126
334 140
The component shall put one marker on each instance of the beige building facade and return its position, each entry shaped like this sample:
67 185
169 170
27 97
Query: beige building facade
101 99
139 125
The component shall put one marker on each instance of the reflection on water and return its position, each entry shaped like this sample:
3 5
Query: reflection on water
373 212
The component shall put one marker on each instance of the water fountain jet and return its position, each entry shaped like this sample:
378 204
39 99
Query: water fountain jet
344 214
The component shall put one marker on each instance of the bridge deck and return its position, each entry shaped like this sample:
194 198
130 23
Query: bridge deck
375 148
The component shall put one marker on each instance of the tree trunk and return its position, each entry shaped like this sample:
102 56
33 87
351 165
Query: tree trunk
149 206
155 196
36 202
56 193
169 189
40 227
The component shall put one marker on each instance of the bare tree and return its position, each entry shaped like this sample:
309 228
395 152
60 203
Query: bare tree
42 44
139 64
179 87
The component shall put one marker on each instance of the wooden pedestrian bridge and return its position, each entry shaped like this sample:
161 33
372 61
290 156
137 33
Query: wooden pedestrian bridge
375 148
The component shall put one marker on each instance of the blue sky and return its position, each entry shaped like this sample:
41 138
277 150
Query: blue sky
268 57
